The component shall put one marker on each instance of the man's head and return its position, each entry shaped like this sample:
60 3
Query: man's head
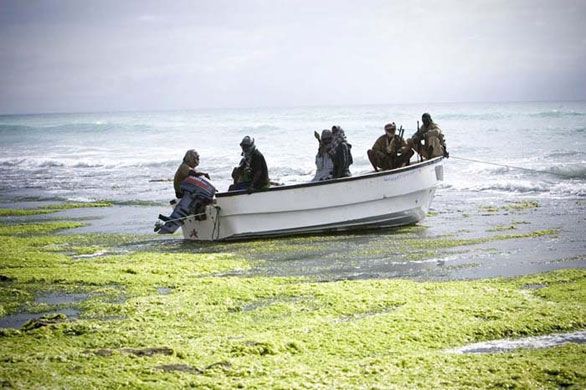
336 129
247 144
390 128
426 119
191 158
326 136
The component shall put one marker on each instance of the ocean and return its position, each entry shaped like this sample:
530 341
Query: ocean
128 158
119 156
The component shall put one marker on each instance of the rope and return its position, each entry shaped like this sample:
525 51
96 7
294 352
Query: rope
180 219
511 166
216 223
159 180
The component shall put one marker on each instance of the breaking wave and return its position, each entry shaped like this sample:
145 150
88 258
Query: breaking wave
13 162
557 114
570 171
87 165
569 189
509 186
566 188
563 153
475 116
36 163
573 170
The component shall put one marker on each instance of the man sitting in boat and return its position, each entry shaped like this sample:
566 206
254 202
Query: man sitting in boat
187 168
342 153
339 136
252 173
429 140
323 159
389 151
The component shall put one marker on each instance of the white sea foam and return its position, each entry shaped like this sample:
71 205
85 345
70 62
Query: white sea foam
569 189
11 162
507 345
84 164
573 171
558 114
515 186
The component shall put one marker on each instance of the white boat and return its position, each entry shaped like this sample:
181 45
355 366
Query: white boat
373 200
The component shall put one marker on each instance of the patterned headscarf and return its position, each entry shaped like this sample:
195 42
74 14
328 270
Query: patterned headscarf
339 137
248 147
191 158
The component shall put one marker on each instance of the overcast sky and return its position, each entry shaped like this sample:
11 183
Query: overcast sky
72 56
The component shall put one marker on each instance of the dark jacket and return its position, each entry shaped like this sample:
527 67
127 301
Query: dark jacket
342 160
258 170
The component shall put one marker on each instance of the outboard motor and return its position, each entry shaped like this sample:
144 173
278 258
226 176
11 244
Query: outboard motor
197 193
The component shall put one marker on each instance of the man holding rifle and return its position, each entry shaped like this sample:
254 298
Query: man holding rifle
428 141
390 151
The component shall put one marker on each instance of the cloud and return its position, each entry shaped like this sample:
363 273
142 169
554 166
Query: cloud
71 56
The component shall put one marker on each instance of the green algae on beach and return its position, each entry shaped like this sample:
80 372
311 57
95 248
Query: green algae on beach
26 229
510 207
53 208
218 327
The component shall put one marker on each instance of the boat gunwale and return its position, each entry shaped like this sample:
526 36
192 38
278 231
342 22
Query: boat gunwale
333 181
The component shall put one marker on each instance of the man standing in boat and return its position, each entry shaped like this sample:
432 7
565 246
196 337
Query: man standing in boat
389 151
252 173
429 140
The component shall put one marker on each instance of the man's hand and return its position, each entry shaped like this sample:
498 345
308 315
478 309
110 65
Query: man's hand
446 154
198 174
316 135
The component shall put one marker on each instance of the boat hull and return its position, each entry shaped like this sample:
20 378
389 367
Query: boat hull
384 199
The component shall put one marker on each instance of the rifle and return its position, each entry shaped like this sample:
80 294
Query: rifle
416 139
321 146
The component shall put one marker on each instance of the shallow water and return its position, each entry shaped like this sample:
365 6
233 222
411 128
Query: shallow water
125 157
61 298
19 319
458 243
164 290
508 345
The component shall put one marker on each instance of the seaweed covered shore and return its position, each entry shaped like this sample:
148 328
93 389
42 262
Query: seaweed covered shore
113 310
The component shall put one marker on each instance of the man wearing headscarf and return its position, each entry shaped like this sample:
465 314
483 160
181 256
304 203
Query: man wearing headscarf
429 140
252 173
187 167
341 152
323 159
